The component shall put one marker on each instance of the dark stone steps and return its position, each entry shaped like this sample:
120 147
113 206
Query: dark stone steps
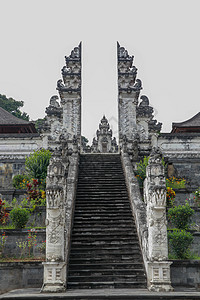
105 251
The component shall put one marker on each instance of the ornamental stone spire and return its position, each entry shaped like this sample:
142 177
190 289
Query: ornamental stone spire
70 92
63 116
137 127
129 90
104 143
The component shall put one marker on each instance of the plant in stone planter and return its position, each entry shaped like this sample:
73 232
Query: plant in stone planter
3 214
175 183
141 170
36 196
22 246
19 217
3 240
180 216
42 247
197 197
31 240
19 181
170 197
179 243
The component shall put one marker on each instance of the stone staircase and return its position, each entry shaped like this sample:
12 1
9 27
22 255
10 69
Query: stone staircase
105 251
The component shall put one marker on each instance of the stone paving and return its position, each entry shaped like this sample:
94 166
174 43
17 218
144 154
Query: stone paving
119 294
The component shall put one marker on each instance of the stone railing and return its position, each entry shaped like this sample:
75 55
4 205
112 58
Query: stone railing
150 218
137 204
61 191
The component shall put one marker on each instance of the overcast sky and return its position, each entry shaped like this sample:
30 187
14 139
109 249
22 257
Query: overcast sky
163 36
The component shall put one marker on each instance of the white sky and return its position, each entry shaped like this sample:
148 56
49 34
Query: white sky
163 35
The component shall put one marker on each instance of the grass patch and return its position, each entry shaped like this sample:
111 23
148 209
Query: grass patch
25 259
29 227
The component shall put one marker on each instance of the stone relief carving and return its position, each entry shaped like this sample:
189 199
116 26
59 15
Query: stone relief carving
60 84
104 142
155 199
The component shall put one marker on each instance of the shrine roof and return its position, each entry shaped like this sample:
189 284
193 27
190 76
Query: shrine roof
7 118
10 124
192 125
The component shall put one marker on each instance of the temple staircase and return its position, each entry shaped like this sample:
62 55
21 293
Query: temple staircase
105 251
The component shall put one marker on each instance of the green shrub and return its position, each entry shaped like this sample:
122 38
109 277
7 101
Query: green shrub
19 217
36 165
19 181
141 170
180 216
179 243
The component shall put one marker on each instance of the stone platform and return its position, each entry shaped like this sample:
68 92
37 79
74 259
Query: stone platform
95 294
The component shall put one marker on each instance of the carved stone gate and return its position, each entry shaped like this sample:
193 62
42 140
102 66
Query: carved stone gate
138 133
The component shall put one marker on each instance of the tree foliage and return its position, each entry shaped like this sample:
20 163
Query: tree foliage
13 106
36 164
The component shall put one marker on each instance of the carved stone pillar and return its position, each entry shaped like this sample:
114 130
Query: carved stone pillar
70 93
158 269
60 195
55 265
129 89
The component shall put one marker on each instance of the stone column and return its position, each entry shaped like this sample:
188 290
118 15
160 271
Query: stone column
70 93
129 89
55 265
158 266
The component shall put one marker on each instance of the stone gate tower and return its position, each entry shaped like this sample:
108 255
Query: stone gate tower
63 120
138 131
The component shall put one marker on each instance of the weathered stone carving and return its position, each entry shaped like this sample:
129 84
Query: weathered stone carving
134 117
64 137
150 217
158 271
65 116
104 143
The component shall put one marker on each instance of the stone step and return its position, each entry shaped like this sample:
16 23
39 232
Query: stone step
105 249
99 198
103 217
92 223
107 266
89 187
100 243
107 204
109 278
124 255
98 220
105 230
103 211
102 236
106 272
103 285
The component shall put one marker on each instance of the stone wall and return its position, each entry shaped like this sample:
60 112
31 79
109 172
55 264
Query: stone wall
30 275
15 235
19 275
185 273
182 150
13 150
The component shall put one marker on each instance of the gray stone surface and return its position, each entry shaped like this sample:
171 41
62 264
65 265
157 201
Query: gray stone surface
20 275
118 294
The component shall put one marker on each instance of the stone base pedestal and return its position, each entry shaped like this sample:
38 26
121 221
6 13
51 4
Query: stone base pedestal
159 276
54 277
